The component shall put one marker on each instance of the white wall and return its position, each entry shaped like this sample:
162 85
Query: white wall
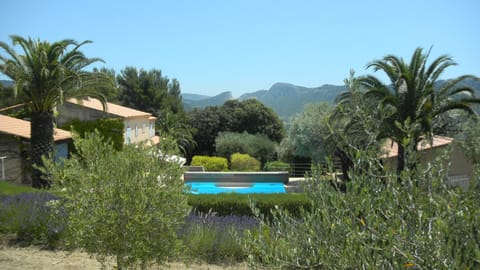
141 129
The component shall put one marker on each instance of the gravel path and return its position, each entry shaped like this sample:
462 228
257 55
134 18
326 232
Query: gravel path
16 258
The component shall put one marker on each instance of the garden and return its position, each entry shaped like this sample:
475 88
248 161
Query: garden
128 207
381 220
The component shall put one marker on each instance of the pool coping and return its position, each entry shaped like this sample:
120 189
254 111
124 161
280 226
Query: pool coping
241 177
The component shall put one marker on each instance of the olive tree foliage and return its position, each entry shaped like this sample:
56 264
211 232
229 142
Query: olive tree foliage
378 223
469 139
126 204
257 146
354 125
308 132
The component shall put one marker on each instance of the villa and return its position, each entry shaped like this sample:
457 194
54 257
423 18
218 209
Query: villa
15 148
460 169
139 126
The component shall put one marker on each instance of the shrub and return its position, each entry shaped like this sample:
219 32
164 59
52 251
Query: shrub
34 217
213 164
277 166
244 163
211 238
126 203
377 223
239 204
257 146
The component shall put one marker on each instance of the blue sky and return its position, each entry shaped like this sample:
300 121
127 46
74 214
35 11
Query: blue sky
244 46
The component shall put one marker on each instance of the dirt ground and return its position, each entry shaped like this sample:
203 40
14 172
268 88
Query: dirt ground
16 258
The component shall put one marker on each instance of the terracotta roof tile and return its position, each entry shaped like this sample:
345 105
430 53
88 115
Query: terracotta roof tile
21 128
115 109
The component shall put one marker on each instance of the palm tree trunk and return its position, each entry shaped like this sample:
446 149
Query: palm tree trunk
41 145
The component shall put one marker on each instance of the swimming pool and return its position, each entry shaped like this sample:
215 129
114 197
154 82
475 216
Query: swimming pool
219 187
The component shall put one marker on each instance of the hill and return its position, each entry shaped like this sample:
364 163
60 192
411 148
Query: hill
193 97
284 98
6 83
288 99
200 101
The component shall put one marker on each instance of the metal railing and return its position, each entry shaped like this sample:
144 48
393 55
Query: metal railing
295 169
300 169
462 181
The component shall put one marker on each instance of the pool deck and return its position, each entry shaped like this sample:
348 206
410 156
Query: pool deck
294 184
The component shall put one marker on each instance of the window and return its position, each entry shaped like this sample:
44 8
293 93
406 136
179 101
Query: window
152 131
136 130
128 133
144 128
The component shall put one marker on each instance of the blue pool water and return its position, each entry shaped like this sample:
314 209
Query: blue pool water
215 188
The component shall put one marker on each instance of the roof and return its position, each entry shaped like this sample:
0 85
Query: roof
390 148
114 109
21 128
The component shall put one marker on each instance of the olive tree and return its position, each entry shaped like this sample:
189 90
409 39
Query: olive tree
126 204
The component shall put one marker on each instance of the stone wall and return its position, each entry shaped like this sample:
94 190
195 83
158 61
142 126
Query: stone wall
16 164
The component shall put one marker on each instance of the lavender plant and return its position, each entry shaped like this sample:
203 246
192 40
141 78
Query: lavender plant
212 238
34 217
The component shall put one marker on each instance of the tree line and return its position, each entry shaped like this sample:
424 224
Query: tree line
409 108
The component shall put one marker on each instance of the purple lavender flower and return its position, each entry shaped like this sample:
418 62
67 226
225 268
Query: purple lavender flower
34 217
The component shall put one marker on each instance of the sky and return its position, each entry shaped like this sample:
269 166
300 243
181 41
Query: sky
248 45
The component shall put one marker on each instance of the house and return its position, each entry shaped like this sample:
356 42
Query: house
139 126
15 148
460 169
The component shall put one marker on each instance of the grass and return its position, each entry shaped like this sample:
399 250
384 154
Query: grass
7 188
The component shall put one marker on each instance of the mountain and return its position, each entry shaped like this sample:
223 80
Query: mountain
6 83
284 98
288 99
199 102
194 97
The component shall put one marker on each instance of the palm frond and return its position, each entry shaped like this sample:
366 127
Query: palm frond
457 105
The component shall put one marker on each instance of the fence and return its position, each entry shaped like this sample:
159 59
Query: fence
300 169
462 181
295 169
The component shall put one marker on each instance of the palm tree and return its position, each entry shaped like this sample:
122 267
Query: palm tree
44 76
415 97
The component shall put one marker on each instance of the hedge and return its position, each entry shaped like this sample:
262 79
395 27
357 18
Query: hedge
244 163
213 164
238 204
277 166
109 128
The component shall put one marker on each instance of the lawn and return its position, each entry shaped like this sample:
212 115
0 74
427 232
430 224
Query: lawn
7 188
